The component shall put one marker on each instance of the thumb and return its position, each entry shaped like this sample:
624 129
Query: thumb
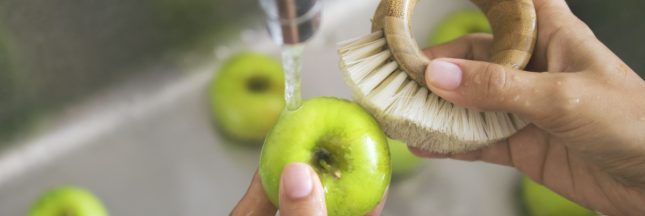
301 192
489 87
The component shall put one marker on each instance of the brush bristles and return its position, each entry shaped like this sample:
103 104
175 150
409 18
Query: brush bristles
408 111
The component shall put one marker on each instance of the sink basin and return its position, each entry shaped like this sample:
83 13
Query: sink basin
145 144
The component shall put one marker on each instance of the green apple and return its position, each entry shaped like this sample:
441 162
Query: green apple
458 24
540 201
68 201
344 145
403 161
247 96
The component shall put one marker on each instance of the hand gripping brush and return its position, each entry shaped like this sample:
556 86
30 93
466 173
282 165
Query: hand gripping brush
385 70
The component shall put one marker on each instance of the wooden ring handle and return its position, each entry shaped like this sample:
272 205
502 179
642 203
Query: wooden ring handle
513 23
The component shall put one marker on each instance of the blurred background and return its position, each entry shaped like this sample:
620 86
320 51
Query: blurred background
111 95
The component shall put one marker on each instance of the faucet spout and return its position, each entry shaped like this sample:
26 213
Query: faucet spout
292 21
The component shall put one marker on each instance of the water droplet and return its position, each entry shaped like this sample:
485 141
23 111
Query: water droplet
574 100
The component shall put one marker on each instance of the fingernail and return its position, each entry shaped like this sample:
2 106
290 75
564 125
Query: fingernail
297 180
444 75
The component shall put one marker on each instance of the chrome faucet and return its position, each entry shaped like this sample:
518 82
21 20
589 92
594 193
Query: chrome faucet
292 21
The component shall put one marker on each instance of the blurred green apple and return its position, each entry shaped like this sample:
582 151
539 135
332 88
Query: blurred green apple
68 201
403 161
247 96
458 24
344 145
540 201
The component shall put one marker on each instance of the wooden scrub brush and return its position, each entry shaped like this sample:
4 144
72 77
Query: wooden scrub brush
386 70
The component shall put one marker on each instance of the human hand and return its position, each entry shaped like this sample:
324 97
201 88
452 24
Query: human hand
587 138
301 193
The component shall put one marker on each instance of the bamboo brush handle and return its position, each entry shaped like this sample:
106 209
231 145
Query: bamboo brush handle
513 23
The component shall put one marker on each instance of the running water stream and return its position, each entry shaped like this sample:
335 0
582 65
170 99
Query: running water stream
291 23
292 65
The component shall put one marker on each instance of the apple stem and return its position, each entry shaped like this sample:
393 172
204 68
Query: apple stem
337 173
322 159
326 167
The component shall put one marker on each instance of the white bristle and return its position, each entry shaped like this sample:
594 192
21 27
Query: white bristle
493 124
444 117
433 104
347 44
479 133
367 65
461 124
518 122
376 77
410 112
385 94
417 108
365 50
403 98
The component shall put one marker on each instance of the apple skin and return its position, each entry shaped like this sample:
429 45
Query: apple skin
403 161
354 145
541 201
247 96
458 24
68 201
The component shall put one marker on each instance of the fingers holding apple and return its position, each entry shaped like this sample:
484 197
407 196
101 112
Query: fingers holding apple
254 202
246 96
69 201
301 192
342 143
296 178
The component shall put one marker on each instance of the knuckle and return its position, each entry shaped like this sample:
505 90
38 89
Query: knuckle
581 28
566 95
495 82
